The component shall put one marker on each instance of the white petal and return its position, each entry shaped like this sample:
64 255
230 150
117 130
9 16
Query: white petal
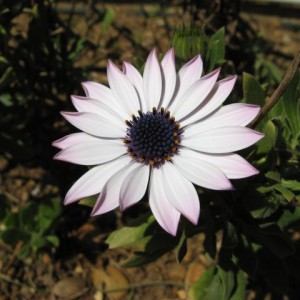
182 194
83 104
237 114
202 173
187 75
137 80
104 95
218 95
222 140
95 90
169 77
74 139
165 214
96 125
195 95
152 81
93 152
92 182
122 89
134 186
232 165
110 195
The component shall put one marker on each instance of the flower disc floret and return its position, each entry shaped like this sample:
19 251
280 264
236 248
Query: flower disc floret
153 138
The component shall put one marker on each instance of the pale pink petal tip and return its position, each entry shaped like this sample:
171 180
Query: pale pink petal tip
57 143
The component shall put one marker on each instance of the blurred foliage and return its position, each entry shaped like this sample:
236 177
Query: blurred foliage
40 66
32 227
40 56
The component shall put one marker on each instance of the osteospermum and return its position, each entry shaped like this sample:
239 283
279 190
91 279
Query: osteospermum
164 129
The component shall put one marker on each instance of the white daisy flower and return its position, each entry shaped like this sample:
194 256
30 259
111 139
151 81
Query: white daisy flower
165 129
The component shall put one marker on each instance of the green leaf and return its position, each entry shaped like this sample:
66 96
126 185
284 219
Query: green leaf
289 218
189 41
228 282
53 239
27 216
89 201
153 246
252 90
6 100
291 105
12 236
48 211
37 241
216 49
2 30
274 70
3 60
268 142
140 259
108 19
275 176
262 202
272 237
287 194
230 239
199 289
293 185
11 220
24 251
240 291
245 256
5 207
44 224
7 77
130 234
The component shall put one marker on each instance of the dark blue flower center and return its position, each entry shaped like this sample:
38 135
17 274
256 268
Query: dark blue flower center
153 138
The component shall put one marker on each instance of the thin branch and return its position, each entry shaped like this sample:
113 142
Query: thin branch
279 91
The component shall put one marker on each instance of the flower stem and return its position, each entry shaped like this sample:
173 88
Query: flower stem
279 91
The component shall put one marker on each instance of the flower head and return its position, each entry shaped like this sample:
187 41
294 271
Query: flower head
165 129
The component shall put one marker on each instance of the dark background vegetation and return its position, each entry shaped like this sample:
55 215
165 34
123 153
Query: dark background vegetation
46 49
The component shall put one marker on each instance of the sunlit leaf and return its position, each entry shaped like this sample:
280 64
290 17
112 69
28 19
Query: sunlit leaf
128 235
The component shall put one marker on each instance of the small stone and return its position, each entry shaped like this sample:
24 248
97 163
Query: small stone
69 288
